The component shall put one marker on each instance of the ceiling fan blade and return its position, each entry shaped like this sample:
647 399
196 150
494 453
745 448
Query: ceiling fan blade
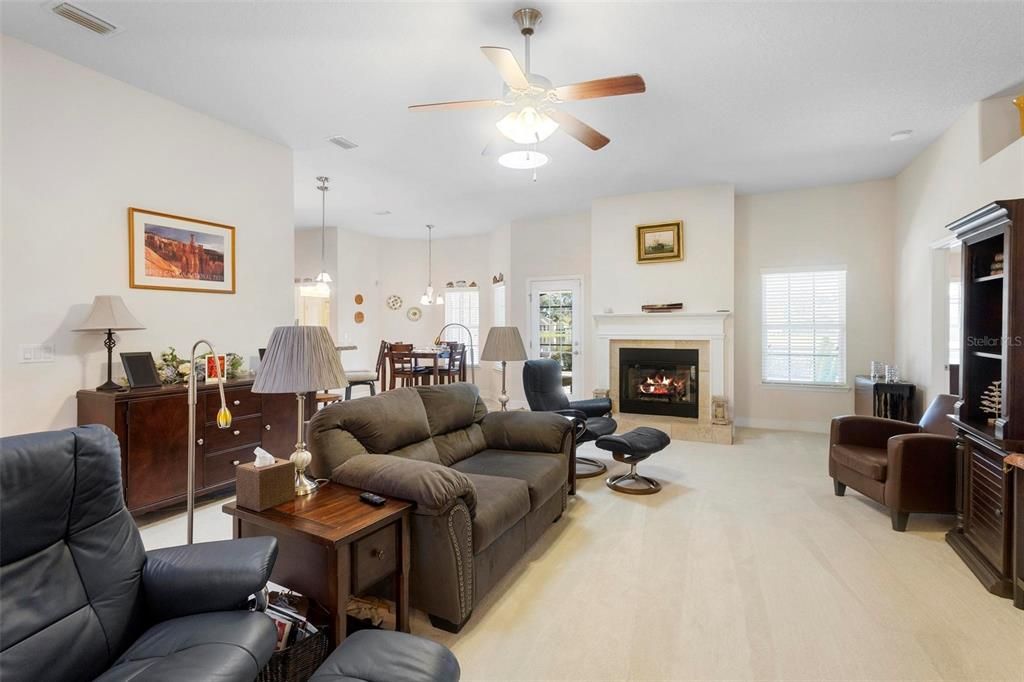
602 87
508 67
463 104
578 129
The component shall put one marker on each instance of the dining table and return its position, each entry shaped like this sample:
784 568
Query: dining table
435 354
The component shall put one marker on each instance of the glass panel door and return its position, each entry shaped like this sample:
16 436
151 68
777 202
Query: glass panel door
555 317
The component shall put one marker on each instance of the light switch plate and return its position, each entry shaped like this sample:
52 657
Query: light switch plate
35 353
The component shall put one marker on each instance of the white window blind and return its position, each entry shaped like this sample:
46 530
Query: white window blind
803 317
462 306
500 320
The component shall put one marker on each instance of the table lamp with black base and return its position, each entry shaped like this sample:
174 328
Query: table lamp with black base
109 314
299 360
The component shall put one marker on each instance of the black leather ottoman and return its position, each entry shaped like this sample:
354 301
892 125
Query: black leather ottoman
632 448
388 656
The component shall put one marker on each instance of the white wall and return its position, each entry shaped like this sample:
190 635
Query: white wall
78 149
841 225
948 180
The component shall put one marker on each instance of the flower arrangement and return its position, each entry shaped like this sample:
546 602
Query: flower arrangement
174 369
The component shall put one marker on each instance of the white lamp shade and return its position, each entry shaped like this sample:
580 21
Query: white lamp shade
503 343
109 312
299 359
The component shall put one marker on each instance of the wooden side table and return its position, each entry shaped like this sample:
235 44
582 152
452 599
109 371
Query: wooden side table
332 545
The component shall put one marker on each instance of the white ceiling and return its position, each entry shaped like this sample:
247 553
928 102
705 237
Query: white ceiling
767 96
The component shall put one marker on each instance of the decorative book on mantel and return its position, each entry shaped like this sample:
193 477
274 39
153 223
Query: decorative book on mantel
662 307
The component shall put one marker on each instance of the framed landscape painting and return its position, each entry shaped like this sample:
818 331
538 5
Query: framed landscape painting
659 242
184 254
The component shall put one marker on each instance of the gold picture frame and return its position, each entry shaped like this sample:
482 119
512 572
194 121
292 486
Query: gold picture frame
175 253
659 242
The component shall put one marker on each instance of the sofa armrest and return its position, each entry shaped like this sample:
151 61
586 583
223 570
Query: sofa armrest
921 473
593 407
869 432
433 487
210 576
527 431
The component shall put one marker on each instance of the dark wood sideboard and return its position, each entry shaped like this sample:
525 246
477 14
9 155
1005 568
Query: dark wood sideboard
152 427
992 350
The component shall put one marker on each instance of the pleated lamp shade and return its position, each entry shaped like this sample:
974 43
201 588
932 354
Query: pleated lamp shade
503 343
299 359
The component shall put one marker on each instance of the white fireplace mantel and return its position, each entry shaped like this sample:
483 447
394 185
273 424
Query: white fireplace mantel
683 326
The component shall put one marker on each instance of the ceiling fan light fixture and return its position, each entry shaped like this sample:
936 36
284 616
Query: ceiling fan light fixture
527 126
523 159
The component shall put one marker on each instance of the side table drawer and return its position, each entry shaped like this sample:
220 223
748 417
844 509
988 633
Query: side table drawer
373 558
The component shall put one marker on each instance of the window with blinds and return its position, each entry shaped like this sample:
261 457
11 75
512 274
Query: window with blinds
462 306
803 316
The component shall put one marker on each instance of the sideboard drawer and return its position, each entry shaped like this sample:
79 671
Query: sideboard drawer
373 558
241 432
220 468
241 401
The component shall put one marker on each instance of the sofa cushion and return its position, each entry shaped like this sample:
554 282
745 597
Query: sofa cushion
457 445
424 451
544 474
870 462
380 425
501 503
228 645
451 406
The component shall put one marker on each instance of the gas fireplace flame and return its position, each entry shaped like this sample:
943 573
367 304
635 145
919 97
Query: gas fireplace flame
662 384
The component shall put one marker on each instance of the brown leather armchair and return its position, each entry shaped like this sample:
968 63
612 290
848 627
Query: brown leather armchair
906 467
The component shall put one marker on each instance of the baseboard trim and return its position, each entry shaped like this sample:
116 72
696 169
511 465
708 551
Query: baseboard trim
783 424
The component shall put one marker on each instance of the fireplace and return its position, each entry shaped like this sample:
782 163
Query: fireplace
660 381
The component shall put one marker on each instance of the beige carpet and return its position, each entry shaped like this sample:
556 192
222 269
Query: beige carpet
744 567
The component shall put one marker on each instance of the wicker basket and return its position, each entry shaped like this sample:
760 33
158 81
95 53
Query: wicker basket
298 662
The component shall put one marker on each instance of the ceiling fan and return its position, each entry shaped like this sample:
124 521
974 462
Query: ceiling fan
535 100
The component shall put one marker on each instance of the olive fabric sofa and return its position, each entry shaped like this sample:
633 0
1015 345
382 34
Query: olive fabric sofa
485 485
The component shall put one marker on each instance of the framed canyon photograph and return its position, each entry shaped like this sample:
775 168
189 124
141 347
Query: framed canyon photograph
659 242
176 253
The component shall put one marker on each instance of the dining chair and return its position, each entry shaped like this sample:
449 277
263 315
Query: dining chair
403 366
456 367
366 377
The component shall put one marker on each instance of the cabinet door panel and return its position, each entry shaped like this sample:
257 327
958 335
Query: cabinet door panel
986 517
157 430
279 423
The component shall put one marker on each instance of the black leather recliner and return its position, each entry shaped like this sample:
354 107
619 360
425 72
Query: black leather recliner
80 597
542 383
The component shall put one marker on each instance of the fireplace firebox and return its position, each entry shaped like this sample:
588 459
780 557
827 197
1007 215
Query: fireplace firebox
659 381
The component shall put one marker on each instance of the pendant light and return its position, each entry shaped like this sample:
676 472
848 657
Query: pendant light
322 286
428 296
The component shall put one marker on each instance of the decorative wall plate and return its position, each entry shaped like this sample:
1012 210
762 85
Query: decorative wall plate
394 302
414 314
359 317
359 299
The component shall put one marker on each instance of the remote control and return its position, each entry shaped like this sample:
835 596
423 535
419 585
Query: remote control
372 499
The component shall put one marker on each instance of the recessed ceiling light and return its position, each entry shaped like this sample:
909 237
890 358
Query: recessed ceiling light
523 160
900 135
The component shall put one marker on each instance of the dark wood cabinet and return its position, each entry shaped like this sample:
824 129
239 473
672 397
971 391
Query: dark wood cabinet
872 398
152 427
992 351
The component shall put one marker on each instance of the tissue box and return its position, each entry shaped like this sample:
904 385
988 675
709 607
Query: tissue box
266 487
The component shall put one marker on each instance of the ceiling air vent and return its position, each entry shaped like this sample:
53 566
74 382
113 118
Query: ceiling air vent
84 19
342 142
